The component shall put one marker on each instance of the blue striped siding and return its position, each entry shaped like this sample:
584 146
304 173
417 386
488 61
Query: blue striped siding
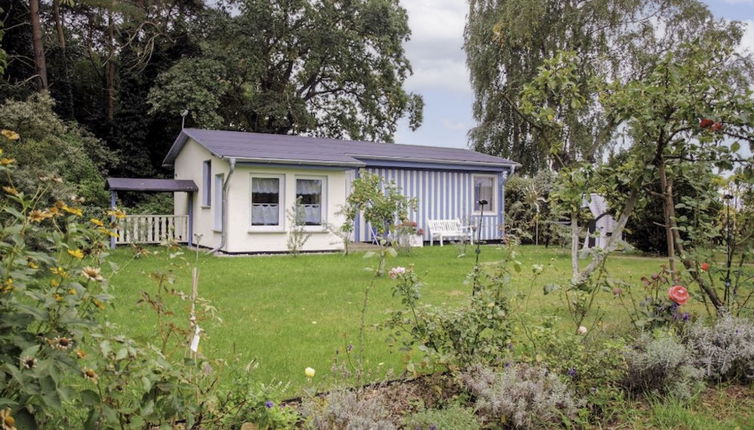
440 195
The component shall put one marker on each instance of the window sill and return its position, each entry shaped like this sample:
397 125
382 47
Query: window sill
262 230
486 213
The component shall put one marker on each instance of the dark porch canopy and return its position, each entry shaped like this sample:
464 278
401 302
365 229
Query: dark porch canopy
155 226
151 185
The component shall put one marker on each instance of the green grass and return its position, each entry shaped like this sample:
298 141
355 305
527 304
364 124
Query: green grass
287 313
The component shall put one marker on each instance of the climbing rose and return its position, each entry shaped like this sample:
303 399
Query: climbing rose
582 330
678 294
396 271
704 267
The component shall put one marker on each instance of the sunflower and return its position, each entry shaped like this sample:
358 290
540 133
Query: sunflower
10 134
10 190
7 420
92 273
76 253
117 213
73 211
28 362
7 161
80 353
61 343
97 222
91 375
38 216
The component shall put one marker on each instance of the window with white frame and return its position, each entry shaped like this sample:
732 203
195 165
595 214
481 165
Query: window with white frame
484 189
266 200
309 197
218 212
207 183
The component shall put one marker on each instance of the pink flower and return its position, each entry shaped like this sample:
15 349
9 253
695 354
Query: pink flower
395 272
678 294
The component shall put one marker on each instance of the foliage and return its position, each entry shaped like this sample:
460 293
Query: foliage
478 330
507 41
661 366
325 68
151 204
247 401
724 351
453 417
529 214
50 147
521 396
652 309
297 234
346 410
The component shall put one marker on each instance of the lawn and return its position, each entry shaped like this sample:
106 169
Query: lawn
287 313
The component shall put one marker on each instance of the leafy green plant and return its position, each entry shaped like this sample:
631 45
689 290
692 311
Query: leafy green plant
297 235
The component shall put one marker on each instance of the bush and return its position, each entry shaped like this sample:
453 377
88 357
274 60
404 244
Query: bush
50 147
724 351
346 410
522 396
454 417
661 366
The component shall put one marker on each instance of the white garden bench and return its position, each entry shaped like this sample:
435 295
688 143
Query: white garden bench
448 228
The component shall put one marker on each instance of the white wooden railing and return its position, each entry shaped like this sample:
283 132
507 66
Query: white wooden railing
152 228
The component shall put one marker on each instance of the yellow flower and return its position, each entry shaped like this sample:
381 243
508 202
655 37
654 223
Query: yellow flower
97 222
7 161
76 253
74 211
117 213
72 292
80 353
59 271
8 285
309 372
54 283
10 134
99 304
10 190
57 297
38 216
92 273
32 265
108 232
7 420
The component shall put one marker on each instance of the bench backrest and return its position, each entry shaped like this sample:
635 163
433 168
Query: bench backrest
444 225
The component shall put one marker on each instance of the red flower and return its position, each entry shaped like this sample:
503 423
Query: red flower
413 224
678 294
716 126
706 123
704 267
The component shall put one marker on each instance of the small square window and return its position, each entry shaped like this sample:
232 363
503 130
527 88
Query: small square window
484 189
266 207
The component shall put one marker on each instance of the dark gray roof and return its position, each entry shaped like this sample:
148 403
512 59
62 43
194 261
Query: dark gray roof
146 184
286 149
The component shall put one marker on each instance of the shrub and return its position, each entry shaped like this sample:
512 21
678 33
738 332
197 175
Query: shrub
661 366
453 417
346 410
724 351
522 396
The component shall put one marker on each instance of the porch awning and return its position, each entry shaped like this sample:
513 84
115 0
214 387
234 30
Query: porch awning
153 185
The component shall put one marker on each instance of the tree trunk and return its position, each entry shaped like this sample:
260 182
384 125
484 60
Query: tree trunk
37 47
668 211
67 88
574 246
110 69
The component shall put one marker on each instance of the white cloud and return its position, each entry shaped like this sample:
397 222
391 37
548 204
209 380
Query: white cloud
747 41
436 45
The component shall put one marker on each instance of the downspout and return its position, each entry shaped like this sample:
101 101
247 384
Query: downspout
224 204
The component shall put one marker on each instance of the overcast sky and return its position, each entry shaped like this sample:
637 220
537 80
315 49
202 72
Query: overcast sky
440 73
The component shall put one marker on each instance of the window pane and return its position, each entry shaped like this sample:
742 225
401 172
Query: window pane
309 197
206 186
265 201
484 190
218 204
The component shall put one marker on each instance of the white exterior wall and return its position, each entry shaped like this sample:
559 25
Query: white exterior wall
241 237
188 165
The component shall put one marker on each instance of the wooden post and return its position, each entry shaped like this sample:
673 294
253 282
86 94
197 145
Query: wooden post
190 219
113 198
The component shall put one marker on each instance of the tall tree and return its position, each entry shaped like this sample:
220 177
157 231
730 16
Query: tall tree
329 67
506 41
37 45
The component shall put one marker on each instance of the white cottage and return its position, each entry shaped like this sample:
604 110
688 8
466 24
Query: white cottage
246 181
